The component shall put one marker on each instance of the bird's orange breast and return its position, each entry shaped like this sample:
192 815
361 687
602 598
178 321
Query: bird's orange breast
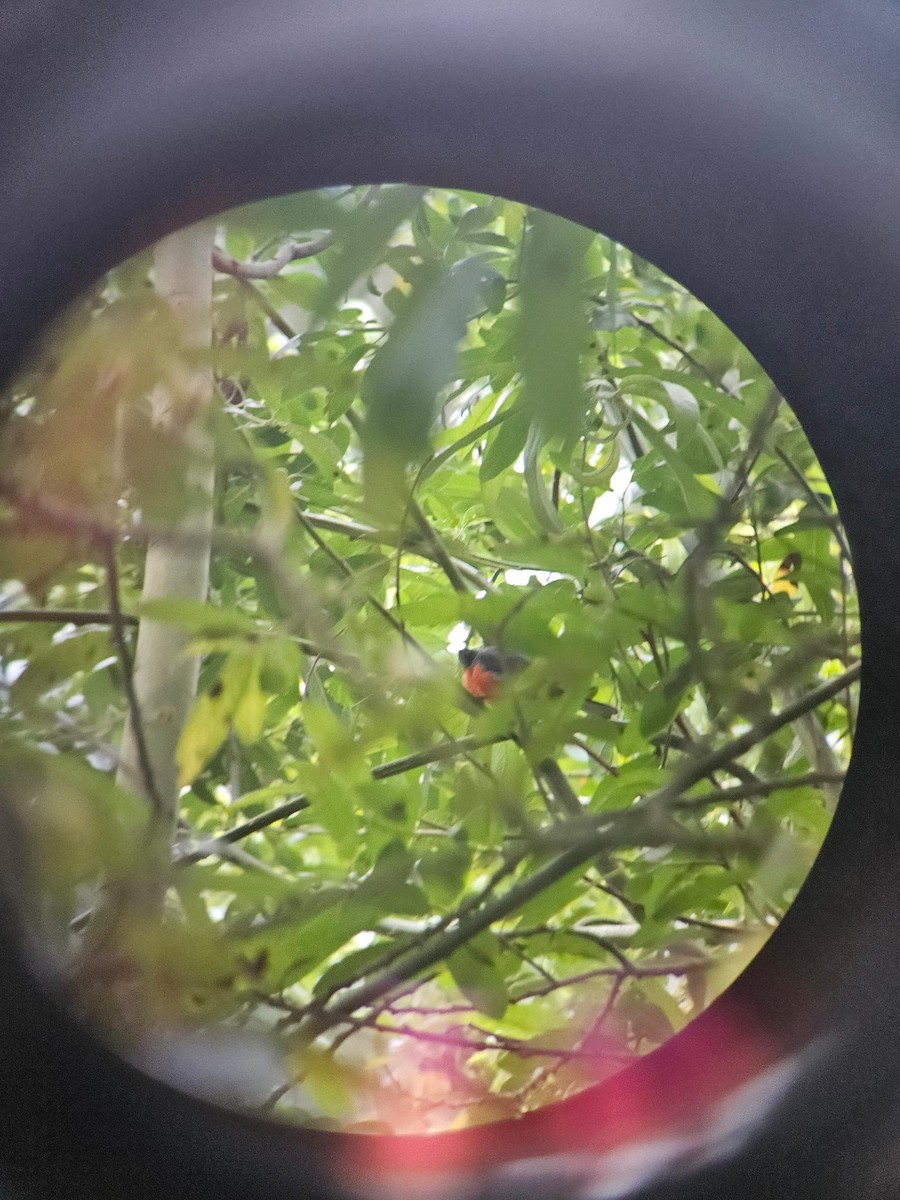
479 682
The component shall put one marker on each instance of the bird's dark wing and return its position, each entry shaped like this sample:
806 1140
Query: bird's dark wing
514 662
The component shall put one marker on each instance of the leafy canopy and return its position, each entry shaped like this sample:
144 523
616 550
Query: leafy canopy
462 422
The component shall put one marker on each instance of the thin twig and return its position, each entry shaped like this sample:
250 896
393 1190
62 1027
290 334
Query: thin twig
439 753
288 253
269 310
344 566
491 1041
607 1008
695 769
657 971
436 948
438 550
685 354
831 519
280 813
645 822
127 666
760 787
33 511
63 616
582 745
356 531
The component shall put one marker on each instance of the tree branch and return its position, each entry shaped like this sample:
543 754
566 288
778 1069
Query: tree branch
645 823
831 519
246 828
656 971
413 545
40 512
760 787
383 612
647 827
439 753
269 268
696 768
439 552
63 616
491 1041
137 725
679 349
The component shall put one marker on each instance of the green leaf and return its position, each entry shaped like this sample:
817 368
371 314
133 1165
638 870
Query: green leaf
54 664
553 899
198 618
401 386
506 445
475 973
331 1083
433 609
249 714
364 237
660 705
333 741
697 503
648 1021
698 895
510 511
333 803
545 514
351 968
280 666
552 327
476 218
443 869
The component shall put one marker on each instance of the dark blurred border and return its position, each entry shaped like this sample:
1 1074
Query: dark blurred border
750 152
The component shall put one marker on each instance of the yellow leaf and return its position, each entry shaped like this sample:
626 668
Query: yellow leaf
235 701
249 714
204 732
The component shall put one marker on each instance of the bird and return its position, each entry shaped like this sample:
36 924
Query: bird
485 669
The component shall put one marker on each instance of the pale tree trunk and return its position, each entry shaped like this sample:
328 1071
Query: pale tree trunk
107 979
165 675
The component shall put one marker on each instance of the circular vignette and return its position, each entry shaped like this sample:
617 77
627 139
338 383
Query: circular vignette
742 154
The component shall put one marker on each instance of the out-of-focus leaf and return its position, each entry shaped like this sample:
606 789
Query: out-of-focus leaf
545 514
406 375
364 236
661 703
56 662
333 803
695 501
505 445
201 620
552 326
35 558
648 1021
475 973
443 869
331 1082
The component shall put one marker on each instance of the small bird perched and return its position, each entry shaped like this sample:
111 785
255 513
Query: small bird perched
485 669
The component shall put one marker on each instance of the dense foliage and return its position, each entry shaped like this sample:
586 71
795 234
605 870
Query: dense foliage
455 422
